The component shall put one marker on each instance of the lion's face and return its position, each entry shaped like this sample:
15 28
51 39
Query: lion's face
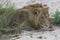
38 18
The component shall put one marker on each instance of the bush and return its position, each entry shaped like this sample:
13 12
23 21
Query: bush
56 18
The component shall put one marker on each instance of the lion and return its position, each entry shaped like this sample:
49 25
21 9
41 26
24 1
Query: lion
38 16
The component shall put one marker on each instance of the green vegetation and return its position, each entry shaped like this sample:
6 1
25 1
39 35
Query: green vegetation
6 17
56 18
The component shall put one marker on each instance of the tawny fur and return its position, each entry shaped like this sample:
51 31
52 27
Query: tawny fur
39 15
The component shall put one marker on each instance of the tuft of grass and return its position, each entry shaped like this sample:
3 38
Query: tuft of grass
56 18
6 17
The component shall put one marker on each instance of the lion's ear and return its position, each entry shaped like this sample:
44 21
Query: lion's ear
36 11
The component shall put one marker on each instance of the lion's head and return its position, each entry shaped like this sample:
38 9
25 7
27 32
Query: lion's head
38 15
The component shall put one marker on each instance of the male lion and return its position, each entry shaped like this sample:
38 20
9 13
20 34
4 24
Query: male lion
37 15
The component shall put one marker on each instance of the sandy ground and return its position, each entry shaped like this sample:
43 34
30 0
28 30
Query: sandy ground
39 35
35 35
